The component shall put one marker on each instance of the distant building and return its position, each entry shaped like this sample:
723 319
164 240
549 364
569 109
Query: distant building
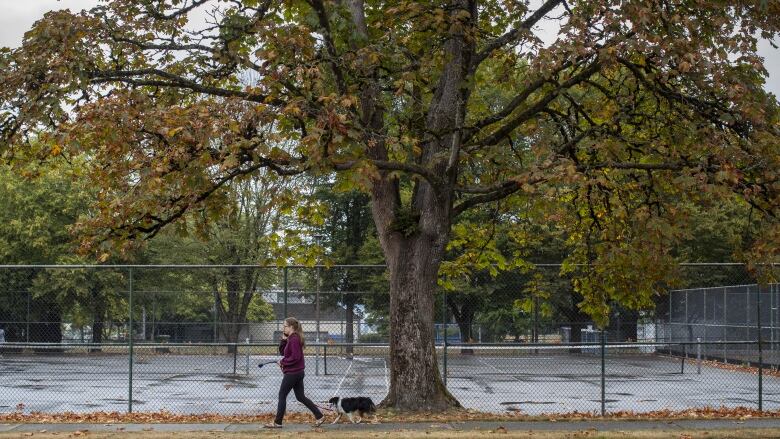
332 319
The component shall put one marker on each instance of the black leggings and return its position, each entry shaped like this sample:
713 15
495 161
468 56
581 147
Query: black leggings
293 381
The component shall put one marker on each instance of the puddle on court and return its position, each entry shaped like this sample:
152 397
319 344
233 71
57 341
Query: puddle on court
122 401
30 386
741 400
527 402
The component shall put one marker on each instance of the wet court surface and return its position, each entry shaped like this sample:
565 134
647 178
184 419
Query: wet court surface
532 384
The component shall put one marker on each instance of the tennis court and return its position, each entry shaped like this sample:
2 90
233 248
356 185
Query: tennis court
533 381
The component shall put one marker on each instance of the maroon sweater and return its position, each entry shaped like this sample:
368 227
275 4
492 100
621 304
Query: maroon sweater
293 354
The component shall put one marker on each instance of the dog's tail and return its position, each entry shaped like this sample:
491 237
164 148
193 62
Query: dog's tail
371 406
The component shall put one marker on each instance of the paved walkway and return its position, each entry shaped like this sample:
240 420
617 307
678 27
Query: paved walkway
393 426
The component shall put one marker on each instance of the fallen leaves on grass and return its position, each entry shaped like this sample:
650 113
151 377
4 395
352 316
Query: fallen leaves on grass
160 417
165 417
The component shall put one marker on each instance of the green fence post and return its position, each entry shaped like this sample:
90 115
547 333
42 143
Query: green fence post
235 355
535 331
760 351
130 344
284 307
603 374
27 319
444 332
215 305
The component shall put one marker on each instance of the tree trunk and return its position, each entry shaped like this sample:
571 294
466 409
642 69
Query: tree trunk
627 325
578 322
415 382
230 329
98 316
465 329
234 314
414 235
97 332
464 315
46 328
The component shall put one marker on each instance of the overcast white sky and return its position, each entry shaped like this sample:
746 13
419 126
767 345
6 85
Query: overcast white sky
17 16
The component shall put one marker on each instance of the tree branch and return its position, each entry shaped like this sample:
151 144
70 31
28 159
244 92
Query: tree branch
540 105
710 110
668 166
172 15
153 46
483 189
160 223
512 35
322 16
515 102
127 76
504 190
387 165
500 191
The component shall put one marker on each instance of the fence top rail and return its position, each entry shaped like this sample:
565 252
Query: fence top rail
709 289
488 346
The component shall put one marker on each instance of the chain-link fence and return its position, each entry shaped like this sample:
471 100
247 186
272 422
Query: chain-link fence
188 339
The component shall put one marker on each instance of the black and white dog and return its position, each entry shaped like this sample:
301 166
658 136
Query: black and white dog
360 405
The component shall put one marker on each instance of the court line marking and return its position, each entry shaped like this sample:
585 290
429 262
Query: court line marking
494 367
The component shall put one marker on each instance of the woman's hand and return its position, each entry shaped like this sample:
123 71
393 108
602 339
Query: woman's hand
284 336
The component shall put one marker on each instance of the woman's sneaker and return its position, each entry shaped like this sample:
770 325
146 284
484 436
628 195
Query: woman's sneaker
272 425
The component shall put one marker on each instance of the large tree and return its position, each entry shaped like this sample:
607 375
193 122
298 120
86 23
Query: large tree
434 107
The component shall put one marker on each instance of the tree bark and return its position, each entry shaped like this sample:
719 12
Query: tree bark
238 296
47 326
578 321
415 382
464 315
98 316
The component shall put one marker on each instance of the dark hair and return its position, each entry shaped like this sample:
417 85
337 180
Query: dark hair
296 327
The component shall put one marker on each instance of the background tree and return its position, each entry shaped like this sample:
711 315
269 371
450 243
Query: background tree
39 203
244 235
635 107
345 230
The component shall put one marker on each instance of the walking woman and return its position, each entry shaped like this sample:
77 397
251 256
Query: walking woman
292 366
